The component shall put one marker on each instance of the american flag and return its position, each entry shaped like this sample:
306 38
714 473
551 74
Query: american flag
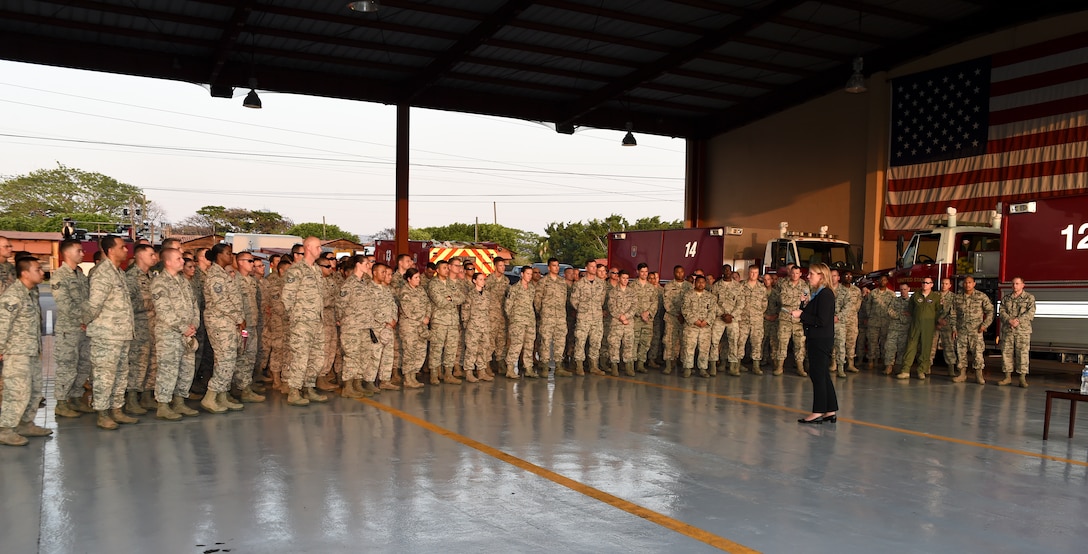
1005 128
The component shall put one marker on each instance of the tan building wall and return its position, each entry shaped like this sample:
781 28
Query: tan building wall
823 163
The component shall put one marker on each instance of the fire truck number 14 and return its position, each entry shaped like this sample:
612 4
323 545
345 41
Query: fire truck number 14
1082 244
689 248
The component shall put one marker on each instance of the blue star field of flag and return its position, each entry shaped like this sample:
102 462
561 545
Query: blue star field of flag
940 114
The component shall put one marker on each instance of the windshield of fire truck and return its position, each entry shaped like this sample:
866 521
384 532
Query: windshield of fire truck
835 255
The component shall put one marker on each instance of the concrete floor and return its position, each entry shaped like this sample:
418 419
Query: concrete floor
650 464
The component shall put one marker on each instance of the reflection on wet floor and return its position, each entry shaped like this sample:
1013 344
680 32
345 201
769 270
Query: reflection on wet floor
911 467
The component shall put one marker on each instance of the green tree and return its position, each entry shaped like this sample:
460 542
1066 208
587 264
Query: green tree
46 193
576 242
221 220
321 231
524 244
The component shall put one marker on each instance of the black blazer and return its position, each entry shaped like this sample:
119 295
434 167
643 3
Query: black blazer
818 316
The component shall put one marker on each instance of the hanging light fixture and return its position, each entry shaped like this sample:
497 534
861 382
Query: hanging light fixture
365 6
856 83
629 138
252 101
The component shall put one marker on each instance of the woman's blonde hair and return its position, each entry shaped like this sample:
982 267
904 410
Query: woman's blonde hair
824 271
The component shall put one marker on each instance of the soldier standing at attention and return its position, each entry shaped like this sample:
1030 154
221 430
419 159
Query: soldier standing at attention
925 311
138 396
699 310
415 316
330 286
175 336
203 350
271 288
109 326
790 295
673 297
974 313
71 350
551 305
21 352
945 330
770 318
850 320
522 327
476 319
898 315
247 287
304 304
1017 311
7 269
753 297
353 313
645 309
496 287
383 323
880 301
225 319
587 298
659 322
623 309
446 296
725 328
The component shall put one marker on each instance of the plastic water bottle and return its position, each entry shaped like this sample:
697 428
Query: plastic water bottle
1084 380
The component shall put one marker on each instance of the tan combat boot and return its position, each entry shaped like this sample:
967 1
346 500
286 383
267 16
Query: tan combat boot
903 375
411 382
470 376
652 364
484 376
960 377
734 369
435 372
324 384
850 366
614 369
388 385
560 372
211 404
9 437
888 370
81 404
349 390
277 384
224 399
578 367
1023 380
452 379
250 397
1006 381
687 373
703 372
779 367
119 416
164 412
369 388
105 421
628 370
457 371
147 400
593 369
313 396
841 370
62 409
294 398
132 403
364 392
755 367
640 367
179 407
668 367
31 429
712 369
979 377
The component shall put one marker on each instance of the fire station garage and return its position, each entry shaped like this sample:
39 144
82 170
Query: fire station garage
877 119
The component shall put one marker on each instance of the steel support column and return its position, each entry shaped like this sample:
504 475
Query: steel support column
695 182
401 225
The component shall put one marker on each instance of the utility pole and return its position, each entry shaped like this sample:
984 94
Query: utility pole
495 212
476 231
322 227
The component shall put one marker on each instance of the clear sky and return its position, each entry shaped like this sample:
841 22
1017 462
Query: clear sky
308 157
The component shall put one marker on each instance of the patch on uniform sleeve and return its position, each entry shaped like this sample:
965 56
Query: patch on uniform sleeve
218 288
12 307
343 293
290 278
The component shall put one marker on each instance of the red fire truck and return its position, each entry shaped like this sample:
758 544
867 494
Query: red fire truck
424 251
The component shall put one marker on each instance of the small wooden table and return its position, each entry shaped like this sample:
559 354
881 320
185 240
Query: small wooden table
1073 398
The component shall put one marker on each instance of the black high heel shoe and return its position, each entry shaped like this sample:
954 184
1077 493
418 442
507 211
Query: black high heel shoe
830 418
814 421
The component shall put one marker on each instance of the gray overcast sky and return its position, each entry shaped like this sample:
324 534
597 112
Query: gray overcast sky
308 157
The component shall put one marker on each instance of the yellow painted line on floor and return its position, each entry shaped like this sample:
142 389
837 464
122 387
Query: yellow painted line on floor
594 493
859 422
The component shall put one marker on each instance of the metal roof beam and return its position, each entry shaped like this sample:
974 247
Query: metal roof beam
229 38
446 60
884 12
713 38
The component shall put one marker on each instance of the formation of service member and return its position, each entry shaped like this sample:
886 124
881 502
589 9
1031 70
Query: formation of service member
551 307
496 287
879 302
623 310
699 310
945 330
570 275
177 318
353 307
898 329
412 328
656 359
608 278
109 318
725 330
7 269
842 304
203 349
446 297
752 298
791 293
141 377
398 282
673 298
273 332
224 317
330 288
587 298
383 314
1017 312
849 322
974 312
246 265
925 312
21 352
770 318
304 303
71 349
476 320
521 330
257 372
645 310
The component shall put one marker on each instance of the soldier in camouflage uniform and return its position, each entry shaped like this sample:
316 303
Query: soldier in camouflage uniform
880 301
974 312
587 298
110 328
446 297
1017 312
770 319
476 320
849 322
224 318
521 329
673 298
7 269
898 317
645 309
21 350
177 318
623 309
415 316
699 310
330 290
304 303
659 322
925 312
725 329
353 306
272 331
141 379
496 287
551 306
842 304
204 357
71 349
247 357
383 323
945 331
791 293
753 298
